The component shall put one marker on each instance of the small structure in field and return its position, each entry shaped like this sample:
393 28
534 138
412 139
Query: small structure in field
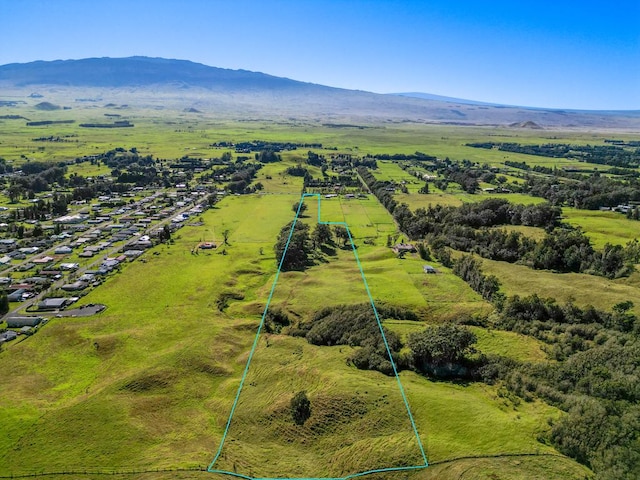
429 269
404 248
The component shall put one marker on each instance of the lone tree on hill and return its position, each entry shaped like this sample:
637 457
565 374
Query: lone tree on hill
300 408
303 208
440 346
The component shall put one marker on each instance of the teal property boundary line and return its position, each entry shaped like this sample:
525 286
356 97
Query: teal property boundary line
255 345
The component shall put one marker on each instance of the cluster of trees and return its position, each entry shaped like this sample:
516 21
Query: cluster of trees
315 159
488 213
42 209
121 158
443 351
97 188
263 145
4 166
353 325
383 190
468 268
571 251
37 177
588 193
298 171
304 246
566 325
464 176
242 177
467 228
596 378
536 168
268 156
417 156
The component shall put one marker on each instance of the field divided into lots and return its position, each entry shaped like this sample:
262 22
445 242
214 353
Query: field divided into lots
149 383
153 377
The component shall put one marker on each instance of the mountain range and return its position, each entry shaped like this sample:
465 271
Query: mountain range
187 86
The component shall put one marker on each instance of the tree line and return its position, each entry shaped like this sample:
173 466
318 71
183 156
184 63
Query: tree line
595 377
601 154
468 228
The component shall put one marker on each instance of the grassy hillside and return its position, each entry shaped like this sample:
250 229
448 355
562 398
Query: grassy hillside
149 383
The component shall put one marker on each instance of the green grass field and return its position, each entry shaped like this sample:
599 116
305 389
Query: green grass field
151 380
582 288
603 227
149 383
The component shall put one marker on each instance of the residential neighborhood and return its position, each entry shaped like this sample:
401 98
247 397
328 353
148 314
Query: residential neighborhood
45 275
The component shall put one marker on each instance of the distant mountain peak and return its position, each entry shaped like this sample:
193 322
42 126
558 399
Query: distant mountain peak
138 71
190 87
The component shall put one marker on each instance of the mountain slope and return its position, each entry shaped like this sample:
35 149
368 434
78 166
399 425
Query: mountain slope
182 85
138 71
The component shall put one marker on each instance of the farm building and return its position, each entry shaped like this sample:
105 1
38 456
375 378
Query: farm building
53 303
19 322
17 296
75 286
8 336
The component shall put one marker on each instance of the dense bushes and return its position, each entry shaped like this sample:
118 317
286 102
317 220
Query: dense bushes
595 378
587 193
468 268
599 389
442 351
353 325
601 154
466 228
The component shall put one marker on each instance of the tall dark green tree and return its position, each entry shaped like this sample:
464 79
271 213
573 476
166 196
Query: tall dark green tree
441 345
303 208
300 408
342 234
4 304
321 235
297 254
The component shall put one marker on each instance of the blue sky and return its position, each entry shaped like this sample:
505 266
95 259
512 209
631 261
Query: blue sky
559 54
